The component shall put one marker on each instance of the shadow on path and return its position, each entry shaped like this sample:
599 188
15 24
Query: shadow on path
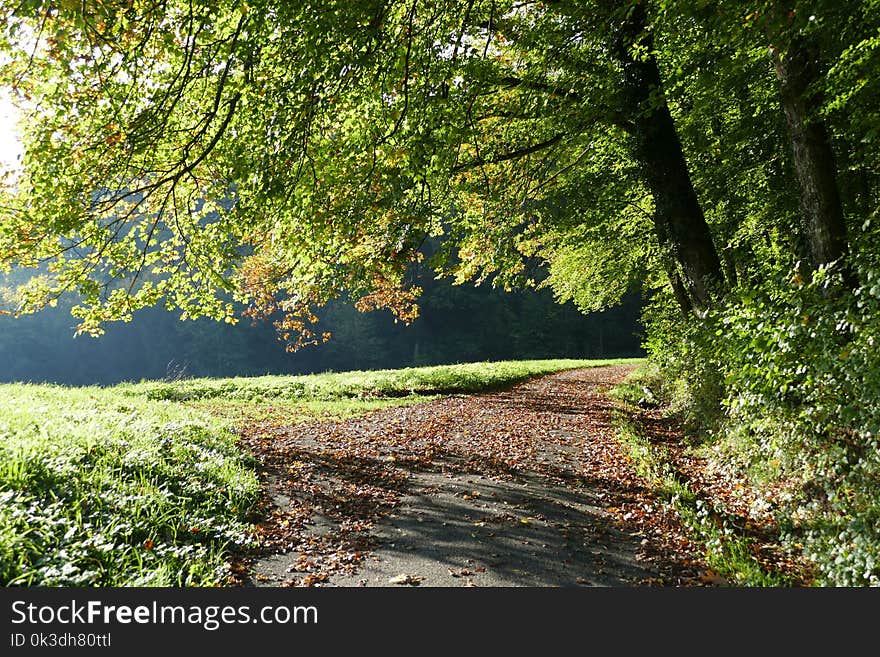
524 487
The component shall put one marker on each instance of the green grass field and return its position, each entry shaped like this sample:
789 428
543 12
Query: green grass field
143 483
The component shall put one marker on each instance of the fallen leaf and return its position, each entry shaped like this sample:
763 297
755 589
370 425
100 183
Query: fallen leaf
712 578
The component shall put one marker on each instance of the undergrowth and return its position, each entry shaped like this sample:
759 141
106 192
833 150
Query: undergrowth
727 551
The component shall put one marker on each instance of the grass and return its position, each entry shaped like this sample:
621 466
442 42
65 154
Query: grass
144 484
101 489
344 394
359 385
728 553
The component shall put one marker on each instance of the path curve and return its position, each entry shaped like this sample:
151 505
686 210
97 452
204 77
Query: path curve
524 487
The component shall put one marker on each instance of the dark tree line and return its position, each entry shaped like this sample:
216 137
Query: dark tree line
456 324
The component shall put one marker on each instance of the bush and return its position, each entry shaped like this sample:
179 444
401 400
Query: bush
684 352
790 377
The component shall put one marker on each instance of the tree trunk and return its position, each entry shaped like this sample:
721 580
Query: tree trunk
679 291
680 225
813 158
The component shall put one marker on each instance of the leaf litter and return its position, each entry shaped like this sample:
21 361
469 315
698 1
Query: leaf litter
328 483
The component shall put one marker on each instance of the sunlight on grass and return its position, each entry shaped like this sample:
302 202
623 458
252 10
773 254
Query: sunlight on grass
100 489
144 484
362 385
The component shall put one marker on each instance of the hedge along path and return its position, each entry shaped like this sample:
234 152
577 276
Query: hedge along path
523 487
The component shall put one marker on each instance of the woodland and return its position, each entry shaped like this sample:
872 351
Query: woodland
241 160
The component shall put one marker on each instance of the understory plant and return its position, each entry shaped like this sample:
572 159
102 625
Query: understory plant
785 382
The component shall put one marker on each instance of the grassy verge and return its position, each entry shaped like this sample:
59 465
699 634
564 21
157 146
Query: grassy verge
102 489
728 553
144 484
359 385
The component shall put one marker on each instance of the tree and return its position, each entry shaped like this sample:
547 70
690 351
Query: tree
679 222
813 157
199 154
277 154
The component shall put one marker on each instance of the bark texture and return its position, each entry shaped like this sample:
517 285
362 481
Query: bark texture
824 224
680 224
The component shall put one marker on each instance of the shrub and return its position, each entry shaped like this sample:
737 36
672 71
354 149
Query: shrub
789 375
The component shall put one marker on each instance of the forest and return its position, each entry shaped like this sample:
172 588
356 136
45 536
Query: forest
455 325
268 160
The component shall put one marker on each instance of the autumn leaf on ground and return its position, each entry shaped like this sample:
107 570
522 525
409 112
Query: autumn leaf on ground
344 485
711 578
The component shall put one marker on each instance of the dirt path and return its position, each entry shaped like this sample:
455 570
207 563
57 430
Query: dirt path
524 487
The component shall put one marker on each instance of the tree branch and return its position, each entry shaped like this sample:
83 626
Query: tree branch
614 117
511 155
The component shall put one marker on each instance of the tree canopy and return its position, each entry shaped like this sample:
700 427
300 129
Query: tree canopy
202 153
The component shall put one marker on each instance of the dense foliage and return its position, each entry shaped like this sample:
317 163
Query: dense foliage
721 156
797 375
